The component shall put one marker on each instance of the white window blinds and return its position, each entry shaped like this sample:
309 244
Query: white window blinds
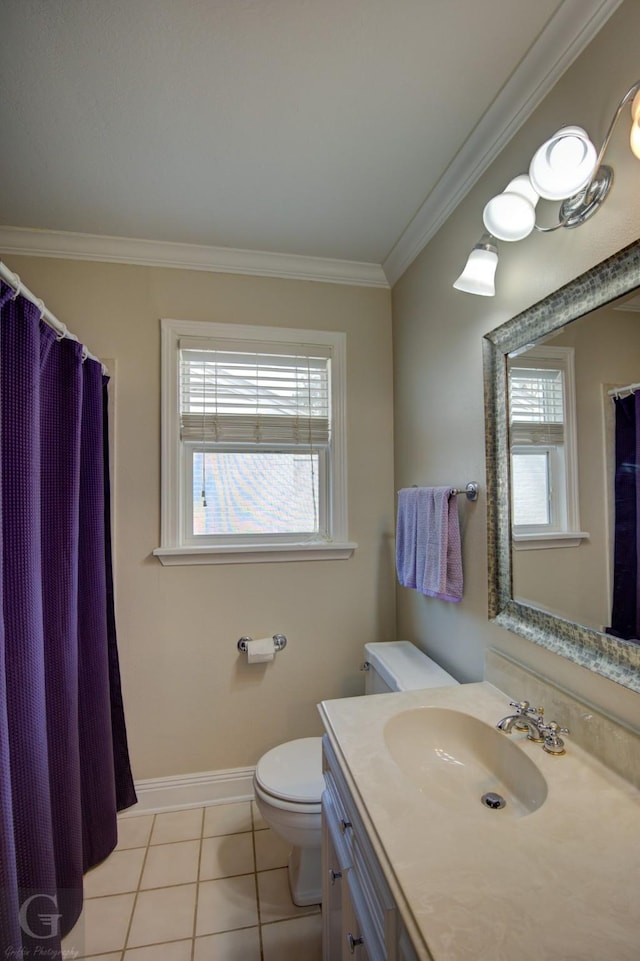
239 397
536 405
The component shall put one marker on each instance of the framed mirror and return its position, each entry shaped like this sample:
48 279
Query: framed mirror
569 634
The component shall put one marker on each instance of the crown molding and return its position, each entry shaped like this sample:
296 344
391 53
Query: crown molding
568 32
156 253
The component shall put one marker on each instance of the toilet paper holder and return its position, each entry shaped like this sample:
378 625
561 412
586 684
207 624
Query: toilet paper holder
279 643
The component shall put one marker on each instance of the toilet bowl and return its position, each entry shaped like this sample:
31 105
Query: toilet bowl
288 786
288 780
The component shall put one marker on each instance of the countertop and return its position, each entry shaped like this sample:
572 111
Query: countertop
560 884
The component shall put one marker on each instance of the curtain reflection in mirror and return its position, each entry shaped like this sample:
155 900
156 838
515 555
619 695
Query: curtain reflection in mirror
625 614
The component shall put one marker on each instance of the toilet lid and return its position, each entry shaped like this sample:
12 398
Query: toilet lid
293 771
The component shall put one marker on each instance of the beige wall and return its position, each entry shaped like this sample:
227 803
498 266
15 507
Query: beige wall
192 703
438 350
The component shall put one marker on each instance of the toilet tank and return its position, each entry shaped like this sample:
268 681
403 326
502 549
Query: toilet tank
400 666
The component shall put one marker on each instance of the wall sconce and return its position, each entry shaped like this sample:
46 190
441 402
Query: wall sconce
568 169
477 276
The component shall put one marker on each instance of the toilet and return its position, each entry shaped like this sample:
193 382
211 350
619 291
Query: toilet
288 781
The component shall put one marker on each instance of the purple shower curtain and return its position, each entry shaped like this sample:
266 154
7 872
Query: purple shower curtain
625 614
64 765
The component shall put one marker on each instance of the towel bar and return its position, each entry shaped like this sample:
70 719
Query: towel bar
471 490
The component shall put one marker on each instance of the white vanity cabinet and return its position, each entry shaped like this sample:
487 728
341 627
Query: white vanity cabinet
431 874
360 919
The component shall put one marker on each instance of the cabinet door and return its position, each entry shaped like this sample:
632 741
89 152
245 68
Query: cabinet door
354 942
332 884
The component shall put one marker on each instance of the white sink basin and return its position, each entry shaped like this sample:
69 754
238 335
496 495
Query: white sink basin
457 759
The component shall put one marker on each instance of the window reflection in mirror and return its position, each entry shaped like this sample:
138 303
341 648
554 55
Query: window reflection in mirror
544 470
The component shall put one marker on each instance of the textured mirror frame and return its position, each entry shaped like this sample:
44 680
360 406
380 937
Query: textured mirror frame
613 658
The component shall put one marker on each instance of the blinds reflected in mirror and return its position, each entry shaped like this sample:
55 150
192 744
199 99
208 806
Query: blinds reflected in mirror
536 405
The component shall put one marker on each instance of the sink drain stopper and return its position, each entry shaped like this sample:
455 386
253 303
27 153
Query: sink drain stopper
493 801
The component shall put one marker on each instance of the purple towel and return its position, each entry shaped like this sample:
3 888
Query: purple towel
428 554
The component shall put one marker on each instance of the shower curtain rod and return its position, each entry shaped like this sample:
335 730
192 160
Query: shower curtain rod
61 329
618 391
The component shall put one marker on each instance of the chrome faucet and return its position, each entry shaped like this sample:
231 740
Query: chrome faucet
525 718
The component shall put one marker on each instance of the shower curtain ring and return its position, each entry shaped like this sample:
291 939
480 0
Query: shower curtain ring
62 333
41 307
18 287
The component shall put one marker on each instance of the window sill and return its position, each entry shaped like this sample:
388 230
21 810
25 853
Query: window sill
535 542
254 553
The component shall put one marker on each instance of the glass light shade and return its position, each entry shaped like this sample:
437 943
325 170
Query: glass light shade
634 138
479 272
563 165
512 214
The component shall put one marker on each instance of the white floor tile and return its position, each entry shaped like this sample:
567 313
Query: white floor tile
170 864
102 926
118 874
224 905
271 851
134 832
227 904
170 951
165 914
226 856
275 897
227 819
293 940
177 826
242 945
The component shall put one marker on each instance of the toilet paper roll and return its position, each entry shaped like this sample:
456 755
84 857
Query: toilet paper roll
261 650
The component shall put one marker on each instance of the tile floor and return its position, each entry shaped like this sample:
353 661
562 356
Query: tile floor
205 884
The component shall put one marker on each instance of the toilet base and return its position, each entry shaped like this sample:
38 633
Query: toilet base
305 875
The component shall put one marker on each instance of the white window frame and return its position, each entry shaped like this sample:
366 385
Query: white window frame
564 527
176 547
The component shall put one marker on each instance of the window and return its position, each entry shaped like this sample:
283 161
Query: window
544 480
254 463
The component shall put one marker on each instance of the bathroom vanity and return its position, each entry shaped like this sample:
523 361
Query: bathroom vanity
417 868
360 915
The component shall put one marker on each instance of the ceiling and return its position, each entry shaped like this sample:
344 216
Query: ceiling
335 129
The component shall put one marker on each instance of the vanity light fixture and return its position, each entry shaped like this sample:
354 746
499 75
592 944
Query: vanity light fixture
477 276
566 168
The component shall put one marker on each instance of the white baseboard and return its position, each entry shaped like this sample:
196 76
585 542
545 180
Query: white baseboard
192 790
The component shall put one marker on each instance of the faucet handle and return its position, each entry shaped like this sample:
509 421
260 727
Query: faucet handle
553 743
524 718
524 708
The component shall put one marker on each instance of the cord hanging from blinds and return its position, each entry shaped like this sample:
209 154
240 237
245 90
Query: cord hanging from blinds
203 492
312 468
234 397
